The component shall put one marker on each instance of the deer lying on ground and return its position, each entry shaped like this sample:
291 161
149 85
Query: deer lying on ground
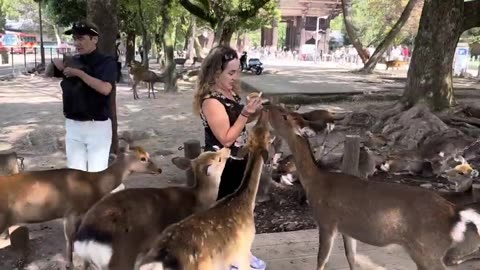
114 231
40 196
138 73
376 213
223 235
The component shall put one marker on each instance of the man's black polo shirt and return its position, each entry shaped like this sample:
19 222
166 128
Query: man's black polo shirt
81 102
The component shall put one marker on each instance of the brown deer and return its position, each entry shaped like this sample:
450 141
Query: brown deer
40 196
115 230
223 235
376 213
138 73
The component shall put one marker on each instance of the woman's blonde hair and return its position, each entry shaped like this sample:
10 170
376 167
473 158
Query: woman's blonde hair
212 66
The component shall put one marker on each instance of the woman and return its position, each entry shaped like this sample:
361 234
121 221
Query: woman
224 117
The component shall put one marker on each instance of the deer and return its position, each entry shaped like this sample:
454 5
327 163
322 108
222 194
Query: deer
139 73
40 196
376 213
222 235
114 231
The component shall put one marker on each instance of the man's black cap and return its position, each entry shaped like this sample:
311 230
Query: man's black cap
82 28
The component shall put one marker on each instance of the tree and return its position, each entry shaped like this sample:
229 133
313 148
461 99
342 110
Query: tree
352 32
166 32
224 16
104 14
387 41
430 73
3 19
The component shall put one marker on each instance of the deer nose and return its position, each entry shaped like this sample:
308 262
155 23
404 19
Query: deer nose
159 170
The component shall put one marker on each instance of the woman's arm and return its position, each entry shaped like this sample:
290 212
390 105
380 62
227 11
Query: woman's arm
217 119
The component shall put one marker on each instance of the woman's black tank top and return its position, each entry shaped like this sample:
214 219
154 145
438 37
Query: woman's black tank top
234 109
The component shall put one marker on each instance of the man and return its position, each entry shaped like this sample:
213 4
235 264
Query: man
86 107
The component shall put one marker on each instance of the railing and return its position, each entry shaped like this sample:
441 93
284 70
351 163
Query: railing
14 60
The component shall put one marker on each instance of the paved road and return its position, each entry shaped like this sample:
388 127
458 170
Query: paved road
317 79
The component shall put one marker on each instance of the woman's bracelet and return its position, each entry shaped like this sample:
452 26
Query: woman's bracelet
246 115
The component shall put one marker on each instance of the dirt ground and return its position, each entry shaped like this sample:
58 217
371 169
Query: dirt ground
32 124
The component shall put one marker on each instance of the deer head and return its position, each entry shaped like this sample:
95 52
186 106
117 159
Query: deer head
209 163
138 160
288 124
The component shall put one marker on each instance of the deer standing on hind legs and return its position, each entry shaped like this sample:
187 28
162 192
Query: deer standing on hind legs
114 231
222 235
40 196
376 213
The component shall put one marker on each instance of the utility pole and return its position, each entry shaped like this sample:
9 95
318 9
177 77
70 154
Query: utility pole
42 51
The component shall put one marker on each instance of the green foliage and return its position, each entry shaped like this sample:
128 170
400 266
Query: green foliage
471 35
64 12
240 14
373 19
3 19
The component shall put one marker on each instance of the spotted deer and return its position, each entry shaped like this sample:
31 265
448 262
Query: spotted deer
223 235
376 213
114 231
40 196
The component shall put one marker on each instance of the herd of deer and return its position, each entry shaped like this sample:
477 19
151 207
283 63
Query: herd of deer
185 228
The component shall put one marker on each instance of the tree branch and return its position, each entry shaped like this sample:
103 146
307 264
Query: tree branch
199 12
347 19
471 15
252 12
377 55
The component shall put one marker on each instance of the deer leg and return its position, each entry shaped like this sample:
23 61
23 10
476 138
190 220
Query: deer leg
350 245
69 224
326 237
473 256
429 260
4 234
153 90
466 250
134 87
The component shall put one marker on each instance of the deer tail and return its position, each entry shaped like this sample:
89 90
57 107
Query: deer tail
94 246
164 260
465 216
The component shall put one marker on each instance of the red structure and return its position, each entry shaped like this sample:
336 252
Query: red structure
18 41
303 18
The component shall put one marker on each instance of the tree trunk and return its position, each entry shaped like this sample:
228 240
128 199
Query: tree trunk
144 35
430 72
192 37
218 33
130 50
227 35
104 14
198 48
377 55
167 31
347 18
57 34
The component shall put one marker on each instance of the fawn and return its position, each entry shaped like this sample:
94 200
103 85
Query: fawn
376 213
114 231
39 196
222 235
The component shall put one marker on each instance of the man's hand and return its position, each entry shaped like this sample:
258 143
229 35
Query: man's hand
73 72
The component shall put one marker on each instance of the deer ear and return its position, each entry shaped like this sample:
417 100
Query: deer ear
182 163
277 157
208 170
264 154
